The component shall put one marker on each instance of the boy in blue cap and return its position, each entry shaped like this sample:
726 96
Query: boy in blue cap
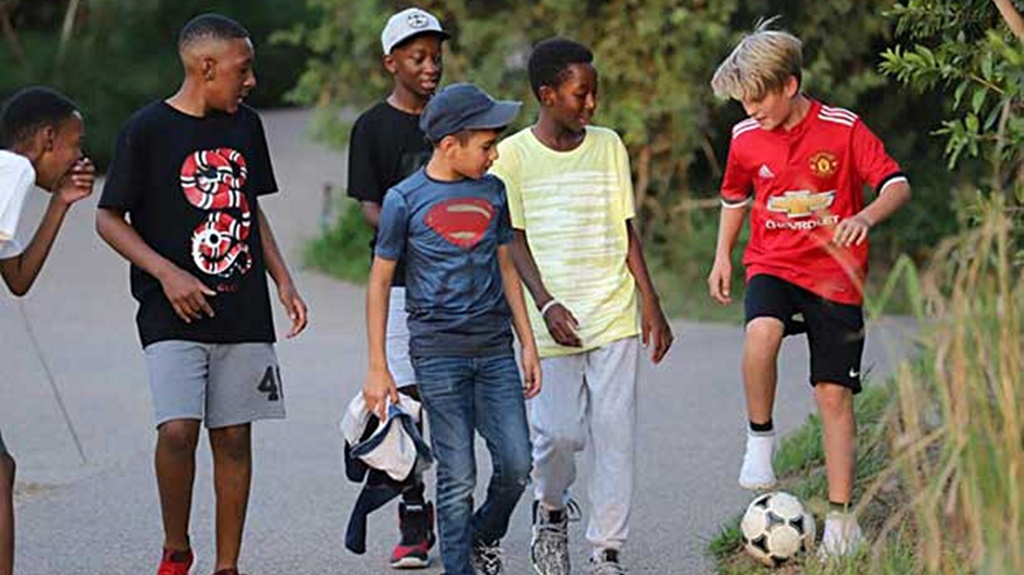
449 222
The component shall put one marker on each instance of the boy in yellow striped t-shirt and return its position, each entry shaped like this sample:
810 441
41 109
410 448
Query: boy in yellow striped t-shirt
570 199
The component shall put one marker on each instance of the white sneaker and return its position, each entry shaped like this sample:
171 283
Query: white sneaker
842 536
757 473
606 562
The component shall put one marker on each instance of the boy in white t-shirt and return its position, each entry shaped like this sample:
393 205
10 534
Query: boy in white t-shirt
41 138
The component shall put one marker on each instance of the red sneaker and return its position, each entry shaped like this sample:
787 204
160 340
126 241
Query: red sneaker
416 522
415 556
175 562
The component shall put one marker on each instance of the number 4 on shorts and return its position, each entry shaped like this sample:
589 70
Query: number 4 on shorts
271 383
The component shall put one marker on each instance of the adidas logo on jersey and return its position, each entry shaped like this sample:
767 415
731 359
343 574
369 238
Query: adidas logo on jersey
765 172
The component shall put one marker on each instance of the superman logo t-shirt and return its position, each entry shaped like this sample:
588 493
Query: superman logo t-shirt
448 233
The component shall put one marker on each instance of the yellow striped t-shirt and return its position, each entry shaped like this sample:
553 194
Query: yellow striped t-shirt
574 206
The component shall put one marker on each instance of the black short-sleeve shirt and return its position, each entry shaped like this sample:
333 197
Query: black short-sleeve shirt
190 186
386 146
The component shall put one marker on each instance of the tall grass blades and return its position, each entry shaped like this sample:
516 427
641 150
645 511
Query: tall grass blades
959 432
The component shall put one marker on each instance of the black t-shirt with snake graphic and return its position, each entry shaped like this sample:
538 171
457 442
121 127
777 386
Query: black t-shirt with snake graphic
190 187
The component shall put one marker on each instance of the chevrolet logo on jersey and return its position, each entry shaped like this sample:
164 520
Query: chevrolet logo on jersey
801 203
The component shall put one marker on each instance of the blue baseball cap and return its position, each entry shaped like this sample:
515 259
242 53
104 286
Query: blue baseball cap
462 106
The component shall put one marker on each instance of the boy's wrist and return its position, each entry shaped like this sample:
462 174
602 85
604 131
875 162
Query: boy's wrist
650 298
543 298
163 270
550 303
285 283
58 202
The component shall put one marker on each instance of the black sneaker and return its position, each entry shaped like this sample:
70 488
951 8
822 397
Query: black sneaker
487 558
416 522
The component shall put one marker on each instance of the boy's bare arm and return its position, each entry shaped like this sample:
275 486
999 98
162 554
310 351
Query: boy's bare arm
379 384
720 279
278 270
562 325
20 272
655 329
186 292
853 231
520 321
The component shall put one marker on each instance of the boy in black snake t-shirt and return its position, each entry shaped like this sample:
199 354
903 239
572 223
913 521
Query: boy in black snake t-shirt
188 172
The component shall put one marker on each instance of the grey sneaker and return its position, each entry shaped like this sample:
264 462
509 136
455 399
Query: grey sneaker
606 562
487 558
549 546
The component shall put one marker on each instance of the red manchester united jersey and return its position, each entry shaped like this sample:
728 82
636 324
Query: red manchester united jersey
800 184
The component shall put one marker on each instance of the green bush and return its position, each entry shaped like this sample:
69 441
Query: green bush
343 251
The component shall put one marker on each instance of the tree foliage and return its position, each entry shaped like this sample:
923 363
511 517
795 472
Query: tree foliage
966 49
655 59
113 56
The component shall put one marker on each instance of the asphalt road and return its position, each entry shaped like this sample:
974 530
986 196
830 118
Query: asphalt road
86 497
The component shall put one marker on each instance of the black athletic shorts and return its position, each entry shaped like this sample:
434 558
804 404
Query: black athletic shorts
835 331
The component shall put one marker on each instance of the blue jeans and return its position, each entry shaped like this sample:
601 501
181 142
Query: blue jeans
463 394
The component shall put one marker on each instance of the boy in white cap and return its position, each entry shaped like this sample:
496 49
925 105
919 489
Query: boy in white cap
385 147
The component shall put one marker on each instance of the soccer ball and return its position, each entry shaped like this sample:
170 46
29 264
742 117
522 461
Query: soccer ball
776 527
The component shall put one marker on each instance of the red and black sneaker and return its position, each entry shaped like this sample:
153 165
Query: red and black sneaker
175 562
416 522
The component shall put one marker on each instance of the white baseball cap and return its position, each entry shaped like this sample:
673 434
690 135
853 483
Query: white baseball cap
409 23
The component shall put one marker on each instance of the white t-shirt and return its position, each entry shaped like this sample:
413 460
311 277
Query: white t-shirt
17 178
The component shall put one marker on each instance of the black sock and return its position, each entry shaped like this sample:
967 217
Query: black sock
840 507
767 427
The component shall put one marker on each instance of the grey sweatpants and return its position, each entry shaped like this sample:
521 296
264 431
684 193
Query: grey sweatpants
589 395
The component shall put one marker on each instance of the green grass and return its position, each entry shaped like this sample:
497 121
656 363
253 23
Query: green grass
800 462
722 546
896 558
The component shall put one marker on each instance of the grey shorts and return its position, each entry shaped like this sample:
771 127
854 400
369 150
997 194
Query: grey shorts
397 340
220 384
